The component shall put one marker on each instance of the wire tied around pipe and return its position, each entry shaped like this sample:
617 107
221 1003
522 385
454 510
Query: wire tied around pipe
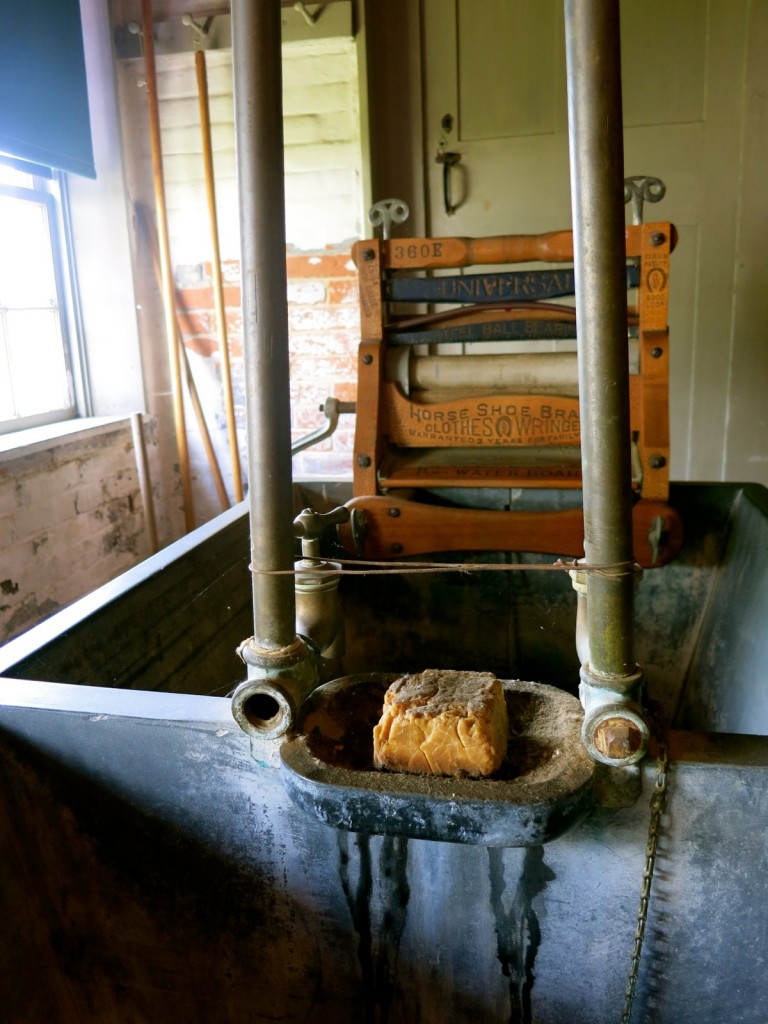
615 569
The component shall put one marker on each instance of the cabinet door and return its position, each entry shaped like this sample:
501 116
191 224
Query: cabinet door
496 95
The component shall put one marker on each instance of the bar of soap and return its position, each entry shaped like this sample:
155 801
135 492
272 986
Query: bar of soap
442 722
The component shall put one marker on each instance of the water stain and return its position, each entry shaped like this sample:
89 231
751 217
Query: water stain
518 933
378 905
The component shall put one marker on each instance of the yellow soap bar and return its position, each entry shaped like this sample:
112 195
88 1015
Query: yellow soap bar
443 722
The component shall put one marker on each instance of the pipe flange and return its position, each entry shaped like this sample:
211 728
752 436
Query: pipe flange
616 734
262 709
271 658
267 704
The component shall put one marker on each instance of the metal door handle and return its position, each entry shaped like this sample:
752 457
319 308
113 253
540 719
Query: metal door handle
448 160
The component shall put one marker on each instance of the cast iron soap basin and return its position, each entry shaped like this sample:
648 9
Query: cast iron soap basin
541 790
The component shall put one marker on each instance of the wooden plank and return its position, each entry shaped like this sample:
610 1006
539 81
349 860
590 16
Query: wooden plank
654 284
368 436
480 467
394 527
653 402
367 258
497 421
550 247
653 409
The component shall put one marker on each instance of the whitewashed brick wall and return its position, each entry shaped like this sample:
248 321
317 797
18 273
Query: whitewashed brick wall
70 519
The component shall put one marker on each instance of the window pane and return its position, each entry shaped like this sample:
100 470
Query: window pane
36 357
12 176
26 264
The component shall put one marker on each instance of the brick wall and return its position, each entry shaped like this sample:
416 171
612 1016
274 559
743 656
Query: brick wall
323 324
70 520
70 513
324 334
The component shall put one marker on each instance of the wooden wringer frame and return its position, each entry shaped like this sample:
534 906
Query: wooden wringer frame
481 392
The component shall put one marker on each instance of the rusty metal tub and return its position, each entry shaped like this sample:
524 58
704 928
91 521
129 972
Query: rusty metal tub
154 868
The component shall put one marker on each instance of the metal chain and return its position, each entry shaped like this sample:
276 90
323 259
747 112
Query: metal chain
658 801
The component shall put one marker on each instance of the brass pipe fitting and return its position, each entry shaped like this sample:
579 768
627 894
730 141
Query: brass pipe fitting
267 704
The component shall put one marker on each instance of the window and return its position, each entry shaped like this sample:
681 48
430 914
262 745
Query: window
36 380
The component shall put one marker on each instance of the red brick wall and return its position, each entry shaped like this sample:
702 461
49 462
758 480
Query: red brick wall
323 324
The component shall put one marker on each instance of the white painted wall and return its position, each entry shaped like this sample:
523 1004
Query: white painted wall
101 238
323 160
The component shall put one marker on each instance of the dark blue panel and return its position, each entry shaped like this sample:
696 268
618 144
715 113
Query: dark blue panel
509 286
44 115
496 330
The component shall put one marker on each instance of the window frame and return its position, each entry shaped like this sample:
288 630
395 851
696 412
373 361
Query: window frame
48 189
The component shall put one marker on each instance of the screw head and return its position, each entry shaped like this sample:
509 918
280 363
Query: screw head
394 512
657 462
368 359
657 352
363 461
657 238
368 255
397 549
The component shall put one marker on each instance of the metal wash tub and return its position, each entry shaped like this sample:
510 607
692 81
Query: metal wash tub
155 869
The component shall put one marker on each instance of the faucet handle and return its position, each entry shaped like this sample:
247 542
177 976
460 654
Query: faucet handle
310 525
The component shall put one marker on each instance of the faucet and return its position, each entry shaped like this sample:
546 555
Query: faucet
319 615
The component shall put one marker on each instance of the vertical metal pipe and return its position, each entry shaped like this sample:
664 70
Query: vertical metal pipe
256 47
597 195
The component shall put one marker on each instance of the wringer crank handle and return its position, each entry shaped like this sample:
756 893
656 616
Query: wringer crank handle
332 408
387 212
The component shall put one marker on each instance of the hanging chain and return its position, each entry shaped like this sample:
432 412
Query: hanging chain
658 801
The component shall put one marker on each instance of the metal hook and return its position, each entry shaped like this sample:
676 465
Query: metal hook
135 29
310 19
200 31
